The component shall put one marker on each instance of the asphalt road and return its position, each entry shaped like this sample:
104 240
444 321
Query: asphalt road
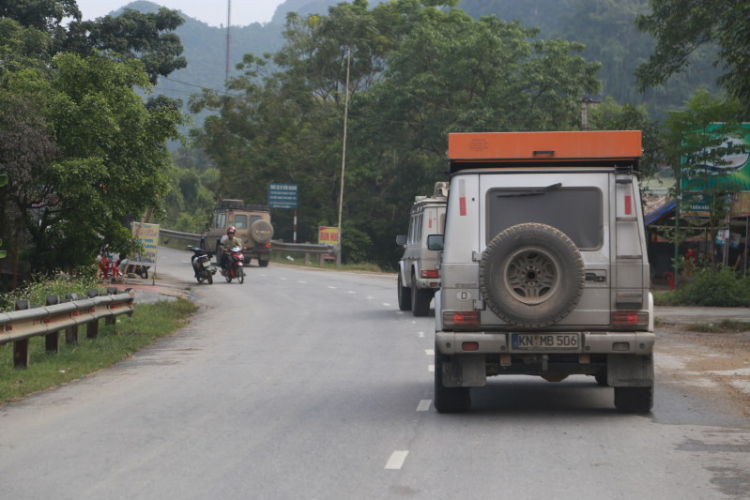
305 384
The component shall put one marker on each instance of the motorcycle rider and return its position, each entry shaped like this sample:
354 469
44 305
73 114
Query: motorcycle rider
228 241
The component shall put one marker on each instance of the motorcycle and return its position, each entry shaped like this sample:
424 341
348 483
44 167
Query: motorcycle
234 265
201 261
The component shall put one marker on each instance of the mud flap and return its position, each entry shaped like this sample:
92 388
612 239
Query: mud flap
630 371
465 370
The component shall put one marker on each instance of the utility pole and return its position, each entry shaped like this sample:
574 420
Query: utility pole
343 152
229 38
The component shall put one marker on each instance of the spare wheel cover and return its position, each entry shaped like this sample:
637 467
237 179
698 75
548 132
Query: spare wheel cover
532 275
261 231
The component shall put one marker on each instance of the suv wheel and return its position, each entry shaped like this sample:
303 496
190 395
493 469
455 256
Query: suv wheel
404 295
634 399
532 275
449 399
420 299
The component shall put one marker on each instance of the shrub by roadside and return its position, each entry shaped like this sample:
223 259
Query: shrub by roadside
709 288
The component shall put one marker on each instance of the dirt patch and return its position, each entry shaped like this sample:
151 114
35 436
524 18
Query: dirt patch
713 364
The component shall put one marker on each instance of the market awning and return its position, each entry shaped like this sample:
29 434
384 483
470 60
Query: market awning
660 213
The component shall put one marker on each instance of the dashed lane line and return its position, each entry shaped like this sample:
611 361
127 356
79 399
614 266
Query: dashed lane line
429 352
424 405
431 368
396 460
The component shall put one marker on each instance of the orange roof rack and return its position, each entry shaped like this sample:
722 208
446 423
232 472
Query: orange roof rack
548 147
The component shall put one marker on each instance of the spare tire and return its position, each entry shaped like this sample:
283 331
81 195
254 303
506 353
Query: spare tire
531 275
261 231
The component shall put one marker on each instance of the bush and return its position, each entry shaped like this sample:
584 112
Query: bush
712 288
37 291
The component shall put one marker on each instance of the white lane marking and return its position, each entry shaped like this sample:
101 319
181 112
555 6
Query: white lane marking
429 352
369 297
424 405
431 368
386 304
420 334
264 275
303 282
352 291
282 279
332 287
396 461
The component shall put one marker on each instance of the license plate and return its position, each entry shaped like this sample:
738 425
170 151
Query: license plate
545 341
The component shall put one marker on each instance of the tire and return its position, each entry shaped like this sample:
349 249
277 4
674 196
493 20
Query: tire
241 275
228 275
634 399
420 299
449 399
199 279
144 273
262 263
532 275
261 231
210 279
601 378
404 295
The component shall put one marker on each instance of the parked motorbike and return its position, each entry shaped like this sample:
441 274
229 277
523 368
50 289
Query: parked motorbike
201 261
234 265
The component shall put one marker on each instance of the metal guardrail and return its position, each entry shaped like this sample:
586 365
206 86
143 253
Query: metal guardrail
50 320
306 248
181 235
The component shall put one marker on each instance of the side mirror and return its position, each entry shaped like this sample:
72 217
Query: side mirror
435 242
401 239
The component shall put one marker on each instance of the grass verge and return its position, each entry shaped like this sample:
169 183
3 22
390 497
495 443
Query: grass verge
115 343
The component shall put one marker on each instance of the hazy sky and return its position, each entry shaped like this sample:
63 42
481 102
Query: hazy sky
213 12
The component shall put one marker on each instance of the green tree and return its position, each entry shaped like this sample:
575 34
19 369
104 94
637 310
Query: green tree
417 70
132 35
609 115
89 154
682 27
696 142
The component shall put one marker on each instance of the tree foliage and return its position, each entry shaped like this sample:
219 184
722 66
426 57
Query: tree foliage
682 27
417 70
81 149
697 141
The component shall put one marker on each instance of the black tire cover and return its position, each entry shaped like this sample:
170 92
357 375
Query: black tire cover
531 275
261 231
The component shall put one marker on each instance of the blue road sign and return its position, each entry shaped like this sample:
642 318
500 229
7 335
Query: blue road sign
282 195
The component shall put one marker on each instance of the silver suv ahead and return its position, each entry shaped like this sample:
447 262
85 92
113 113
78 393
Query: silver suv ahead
418 275
544 268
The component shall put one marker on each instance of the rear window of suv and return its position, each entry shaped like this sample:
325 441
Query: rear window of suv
577 212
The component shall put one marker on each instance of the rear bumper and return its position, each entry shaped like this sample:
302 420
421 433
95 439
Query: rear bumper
635 343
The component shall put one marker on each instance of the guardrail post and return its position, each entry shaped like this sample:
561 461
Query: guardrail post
71 334
307 258
52 339
111 320
92 328
321 260
21 347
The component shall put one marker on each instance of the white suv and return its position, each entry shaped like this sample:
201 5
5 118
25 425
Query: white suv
418 275
544 267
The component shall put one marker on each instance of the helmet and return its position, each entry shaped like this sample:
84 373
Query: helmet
230 230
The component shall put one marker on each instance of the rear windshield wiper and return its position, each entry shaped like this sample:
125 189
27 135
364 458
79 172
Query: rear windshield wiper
532 192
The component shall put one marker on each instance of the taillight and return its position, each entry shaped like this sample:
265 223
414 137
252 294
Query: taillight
470 346
629 318
434 274
461 318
